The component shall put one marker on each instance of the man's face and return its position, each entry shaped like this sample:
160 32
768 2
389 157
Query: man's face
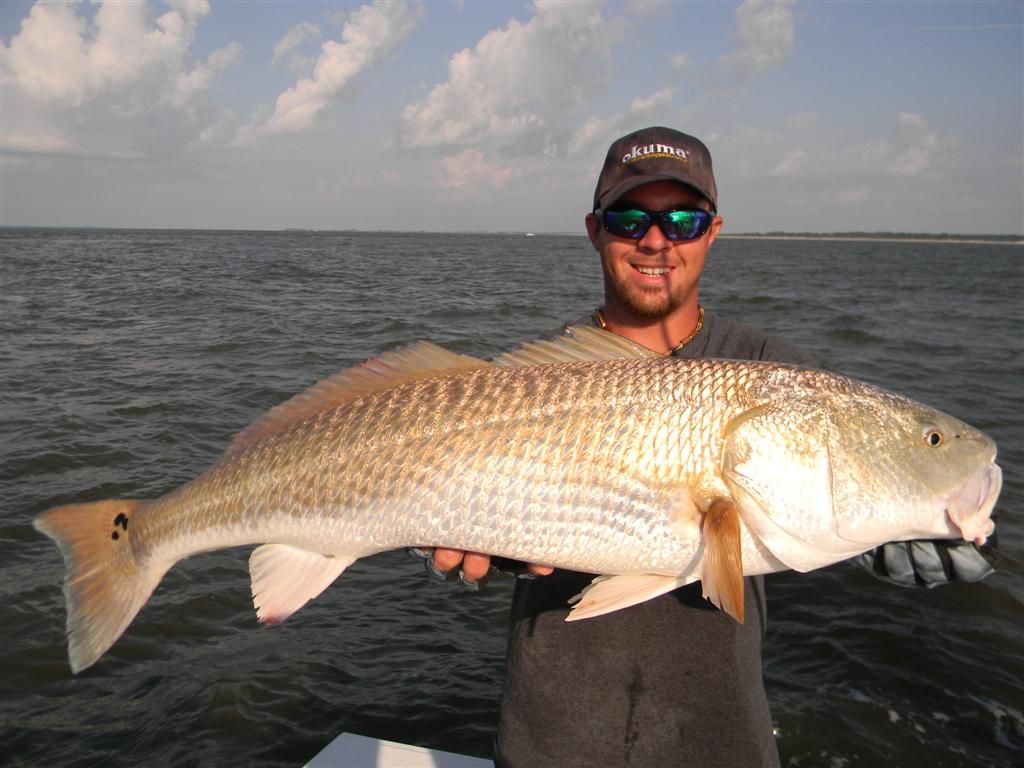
651 277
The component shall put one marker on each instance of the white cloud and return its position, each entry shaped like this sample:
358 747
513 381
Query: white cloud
370 32
678 62
803 149
767 35
217 133
791 162
645 9
284 51
915 149
50 144
918 145
58 57
469 172
656 101
521 84
597 133
592 139
115 84
856 195
47 58
829 175
593 135
39 143
804 121
200 78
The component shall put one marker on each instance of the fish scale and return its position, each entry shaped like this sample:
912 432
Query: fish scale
401 446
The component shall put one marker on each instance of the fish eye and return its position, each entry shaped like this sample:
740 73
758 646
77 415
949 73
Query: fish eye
933 437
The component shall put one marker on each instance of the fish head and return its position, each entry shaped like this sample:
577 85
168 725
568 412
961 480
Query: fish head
902 470
828 467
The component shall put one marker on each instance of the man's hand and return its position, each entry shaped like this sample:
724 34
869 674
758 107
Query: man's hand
474 568
929 562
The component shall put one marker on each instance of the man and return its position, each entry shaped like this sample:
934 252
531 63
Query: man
671 681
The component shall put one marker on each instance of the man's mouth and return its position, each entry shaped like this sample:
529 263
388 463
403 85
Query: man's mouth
652 271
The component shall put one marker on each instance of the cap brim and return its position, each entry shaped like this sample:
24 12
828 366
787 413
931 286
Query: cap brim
612 196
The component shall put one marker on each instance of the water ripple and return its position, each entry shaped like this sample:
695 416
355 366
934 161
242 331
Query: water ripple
130 358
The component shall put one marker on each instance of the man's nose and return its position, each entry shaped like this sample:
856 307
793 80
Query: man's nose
654 239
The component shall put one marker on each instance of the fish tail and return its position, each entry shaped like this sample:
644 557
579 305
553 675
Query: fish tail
105 585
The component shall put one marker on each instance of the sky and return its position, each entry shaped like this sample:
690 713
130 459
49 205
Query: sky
496 116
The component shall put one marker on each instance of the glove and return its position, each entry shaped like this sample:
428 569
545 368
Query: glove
930 562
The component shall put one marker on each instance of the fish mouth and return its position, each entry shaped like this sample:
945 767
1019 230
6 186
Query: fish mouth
969 507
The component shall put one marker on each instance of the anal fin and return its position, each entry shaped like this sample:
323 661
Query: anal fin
722 572
610 593
285 578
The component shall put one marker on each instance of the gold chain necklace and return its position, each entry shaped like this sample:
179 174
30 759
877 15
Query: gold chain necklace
696 329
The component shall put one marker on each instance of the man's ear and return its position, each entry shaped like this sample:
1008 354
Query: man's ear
593 229
716 224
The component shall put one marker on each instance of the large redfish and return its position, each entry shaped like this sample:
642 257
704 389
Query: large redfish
654 471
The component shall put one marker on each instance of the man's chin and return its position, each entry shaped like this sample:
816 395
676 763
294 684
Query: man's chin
650 311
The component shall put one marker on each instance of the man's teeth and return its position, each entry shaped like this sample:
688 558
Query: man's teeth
652 270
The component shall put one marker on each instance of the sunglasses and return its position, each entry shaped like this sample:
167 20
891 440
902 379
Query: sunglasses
633 223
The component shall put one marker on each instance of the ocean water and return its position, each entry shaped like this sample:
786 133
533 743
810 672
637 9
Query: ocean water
128 360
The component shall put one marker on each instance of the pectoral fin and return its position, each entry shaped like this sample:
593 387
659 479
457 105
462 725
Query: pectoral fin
722 572
285 578
610 593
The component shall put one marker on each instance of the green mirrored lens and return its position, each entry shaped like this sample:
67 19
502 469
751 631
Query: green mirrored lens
681 224
675 225
627 223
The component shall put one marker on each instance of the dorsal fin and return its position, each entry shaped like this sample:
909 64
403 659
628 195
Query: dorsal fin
424 360
578 342
419 360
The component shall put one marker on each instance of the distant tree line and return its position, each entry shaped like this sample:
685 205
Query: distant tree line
886 235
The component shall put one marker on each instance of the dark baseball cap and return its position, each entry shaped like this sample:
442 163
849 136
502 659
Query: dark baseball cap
655 154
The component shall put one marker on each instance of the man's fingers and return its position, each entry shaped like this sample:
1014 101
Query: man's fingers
475 566
446 559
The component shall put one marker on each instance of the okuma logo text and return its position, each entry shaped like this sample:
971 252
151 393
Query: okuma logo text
655 150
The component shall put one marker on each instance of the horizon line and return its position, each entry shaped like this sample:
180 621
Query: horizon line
908 236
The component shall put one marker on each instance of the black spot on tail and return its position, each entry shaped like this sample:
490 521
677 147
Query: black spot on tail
122 521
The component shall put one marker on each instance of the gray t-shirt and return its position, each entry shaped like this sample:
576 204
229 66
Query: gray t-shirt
669 682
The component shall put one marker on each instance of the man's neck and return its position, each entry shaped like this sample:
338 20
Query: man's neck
660 335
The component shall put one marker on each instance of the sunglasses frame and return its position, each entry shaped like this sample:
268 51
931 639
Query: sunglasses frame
658 217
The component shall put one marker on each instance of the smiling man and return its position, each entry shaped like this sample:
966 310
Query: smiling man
671 681
653 222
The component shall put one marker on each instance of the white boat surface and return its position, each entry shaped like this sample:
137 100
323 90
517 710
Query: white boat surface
350 750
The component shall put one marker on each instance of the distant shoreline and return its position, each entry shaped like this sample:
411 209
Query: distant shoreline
866 237
881 239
